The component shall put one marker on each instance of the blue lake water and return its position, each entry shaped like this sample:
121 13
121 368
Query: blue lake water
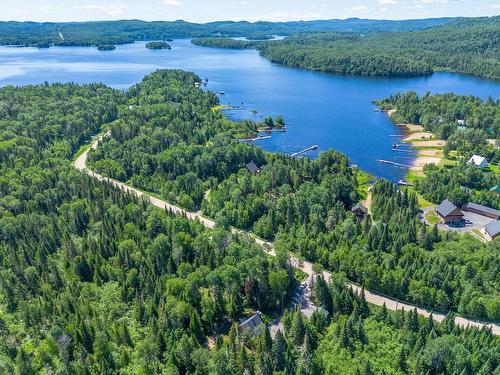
331 111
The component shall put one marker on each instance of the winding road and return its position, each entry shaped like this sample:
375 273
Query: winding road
306 267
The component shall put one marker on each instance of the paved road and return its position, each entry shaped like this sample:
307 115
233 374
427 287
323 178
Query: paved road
306 267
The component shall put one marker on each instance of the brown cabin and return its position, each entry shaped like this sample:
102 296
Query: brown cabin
450 213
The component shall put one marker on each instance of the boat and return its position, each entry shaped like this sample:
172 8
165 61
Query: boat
222 93
403 183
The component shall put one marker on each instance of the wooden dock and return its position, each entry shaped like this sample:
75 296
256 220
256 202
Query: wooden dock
393 163
259 138
312 148
407 151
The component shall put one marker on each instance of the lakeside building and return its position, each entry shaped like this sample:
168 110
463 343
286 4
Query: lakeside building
359 211
492 230
252 168
482 210
254 324
450 213
478 161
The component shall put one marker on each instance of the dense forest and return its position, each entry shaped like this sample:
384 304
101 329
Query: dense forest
96 281
470 46
127 31
89 275
170 142
467 124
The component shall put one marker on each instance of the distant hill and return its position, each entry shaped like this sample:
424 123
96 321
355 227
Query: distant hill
465 45
128 31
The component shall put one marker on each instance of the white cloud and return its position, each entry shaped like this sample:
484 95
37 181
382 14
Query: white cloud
387 2
112 9
356 8
172 2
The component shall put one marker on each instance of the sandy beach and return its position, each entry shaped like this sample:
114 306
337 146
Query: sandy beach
419 138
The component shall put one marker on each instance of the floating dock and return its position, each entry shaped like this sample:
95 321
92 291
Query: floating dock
407 151
393 163
312 148
259 138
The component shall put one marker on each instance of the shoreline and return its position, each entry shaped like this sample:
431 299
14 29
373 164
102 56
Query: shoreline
428 149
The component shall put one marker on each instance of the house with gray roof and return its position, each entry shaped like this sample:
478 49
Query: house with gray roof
450 213
253 324
482 210
252 168
492 230
359 210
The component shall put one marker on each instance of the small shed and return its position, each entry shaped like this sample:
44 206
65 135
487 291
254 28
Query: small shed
450 213
359 210
492 229
495 189
478 161
482 210
253 324
252 168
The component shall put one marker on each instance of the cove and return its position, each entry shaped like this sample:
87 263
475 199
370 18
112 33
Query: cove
330 111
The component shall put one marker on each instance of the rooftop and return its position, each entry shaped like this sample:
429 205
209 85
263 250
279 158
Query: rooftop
480 207
446 208
252 167
252 323
359 206
493 228
495 188
477 160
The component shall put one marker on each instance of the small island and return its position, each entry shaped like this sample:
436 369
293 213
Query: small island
158 45
43 45
106 47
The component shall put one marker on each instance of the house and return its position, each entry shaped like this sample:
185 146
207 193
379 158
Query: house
482 210
478 161
252 168
450 213
492 230
359 210
495 189
254 324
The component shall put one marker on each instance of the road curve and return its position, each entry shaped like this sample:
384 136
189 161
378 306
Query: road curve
374 298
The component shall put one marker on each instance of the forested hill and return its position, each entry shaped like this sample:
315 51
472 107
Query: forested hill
94 281
470 46
128 31
172 144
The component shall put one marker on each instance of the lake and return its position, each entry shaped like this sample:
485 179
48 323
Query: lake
330 111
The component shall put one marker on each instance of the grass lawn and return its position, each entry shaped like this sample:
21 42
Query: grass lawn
432 217
412 177
364 179
219 107
494 168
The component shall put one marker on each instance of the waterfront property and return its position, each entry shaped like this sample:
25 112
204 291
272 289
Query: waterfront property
482 210
478 161
492 230
359 211
252 168
450 213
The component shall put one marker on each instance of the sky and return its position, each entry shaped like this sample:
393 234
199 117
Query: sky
250 10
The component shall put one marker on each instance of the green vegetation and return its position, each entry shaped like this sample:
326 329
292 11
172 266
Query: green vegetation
128 31
106 47
94 280
466 45
173 144
466 123
158 45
